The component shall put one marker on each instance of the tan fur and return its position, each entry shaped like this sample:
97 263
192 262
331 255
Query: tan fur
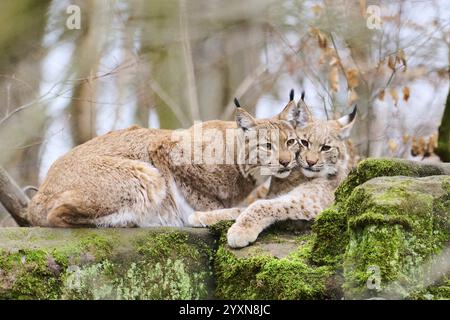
307 191
129 177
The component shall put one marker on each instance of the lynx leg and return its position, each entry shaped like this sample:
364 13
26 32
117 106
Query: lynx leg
208 218
263 213
67 216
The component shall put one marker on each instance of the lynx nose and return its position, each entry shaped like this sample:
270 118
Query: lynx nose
284 163
311 162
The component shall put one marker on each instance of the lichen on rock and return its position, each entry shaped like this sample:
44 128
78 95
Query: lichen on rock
161 263
395 225
277 266
386 235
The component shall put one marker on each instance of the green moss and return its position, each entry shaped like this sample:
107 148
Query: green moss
394 225
331 238
155 265
439 291
260 275
371 168
27 274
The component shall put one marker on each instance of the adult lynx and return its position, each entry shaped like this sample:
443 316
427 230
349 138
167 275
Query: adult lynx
324 161
140 177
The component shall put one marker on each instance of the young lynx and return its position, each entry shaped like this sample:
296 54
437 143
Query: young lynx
149 177
324 161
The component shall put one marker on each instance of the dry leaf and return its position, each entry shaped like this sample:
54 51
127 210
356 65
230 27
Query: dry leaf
317 9
322 40
353 78
334 79
435 140
392 145
421 145
334 61
381 95
394 95
401 57
352 96
405 138
406 93
391 62
432 143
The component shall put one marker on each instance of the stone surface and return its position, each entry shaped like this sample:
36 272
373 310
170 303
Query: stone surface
157 263
398 228
384 237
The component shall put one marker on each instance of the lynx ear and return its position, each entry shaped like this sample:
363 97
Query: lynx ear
346 123
304 114
244 119
290 112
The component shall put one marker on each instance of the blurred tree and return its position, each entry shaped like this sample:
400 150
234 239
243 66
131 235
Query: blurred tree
23 26
443 149
85 63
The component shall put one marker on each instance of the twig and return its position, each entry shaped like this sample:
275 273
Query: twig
242 88
169 102
189 64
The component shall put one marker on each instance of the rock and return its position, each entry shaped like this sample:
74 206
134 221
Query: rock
385 237
394 228
398 228
157 263
349 234
372 168
276 266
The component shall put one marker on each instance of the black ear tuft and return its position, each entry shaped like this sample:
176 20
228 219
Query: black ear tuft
236 102
291 95
352 115
303 96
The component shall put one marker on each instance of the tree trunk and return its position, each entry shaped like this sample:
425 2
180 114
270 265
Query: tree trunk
13 199
20 59
443 150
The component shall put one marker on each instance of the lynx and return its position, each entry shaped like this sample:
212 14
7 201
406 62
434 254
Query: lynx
137 177
323 162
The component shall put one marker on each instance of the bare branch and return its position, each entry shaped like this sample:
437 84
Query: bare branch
178 112
243 88
13 199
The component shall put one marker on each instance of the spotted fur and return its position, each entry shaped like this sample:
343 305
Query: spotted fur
308 189
135 177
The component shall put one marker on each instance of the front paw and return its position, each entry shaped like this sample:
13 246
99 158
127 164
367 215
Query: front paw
239 236
195 220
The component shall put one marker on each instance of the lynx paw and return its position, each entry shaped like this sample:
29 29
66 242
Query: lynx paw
239 237
195 220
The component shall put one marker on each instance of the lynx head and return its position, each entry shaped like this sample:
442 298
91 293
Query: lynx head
322 143
269 145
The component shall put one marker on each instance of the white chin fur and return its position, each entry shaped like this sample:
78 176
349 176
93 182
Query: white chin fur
310 174
282 175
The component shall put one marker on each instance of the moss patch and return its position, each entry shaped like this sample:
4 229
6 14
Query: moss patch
105 264
259 273
371 168
394 226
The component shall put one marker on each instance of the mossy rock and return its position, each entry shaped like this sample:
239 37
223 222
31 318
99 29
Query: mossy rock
371 168
384 237
397 229
157 263
276 266
376 217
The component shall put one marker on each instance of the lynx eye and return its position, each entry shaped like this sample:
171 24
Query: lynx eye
291 142
268 146
305 143
325 148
